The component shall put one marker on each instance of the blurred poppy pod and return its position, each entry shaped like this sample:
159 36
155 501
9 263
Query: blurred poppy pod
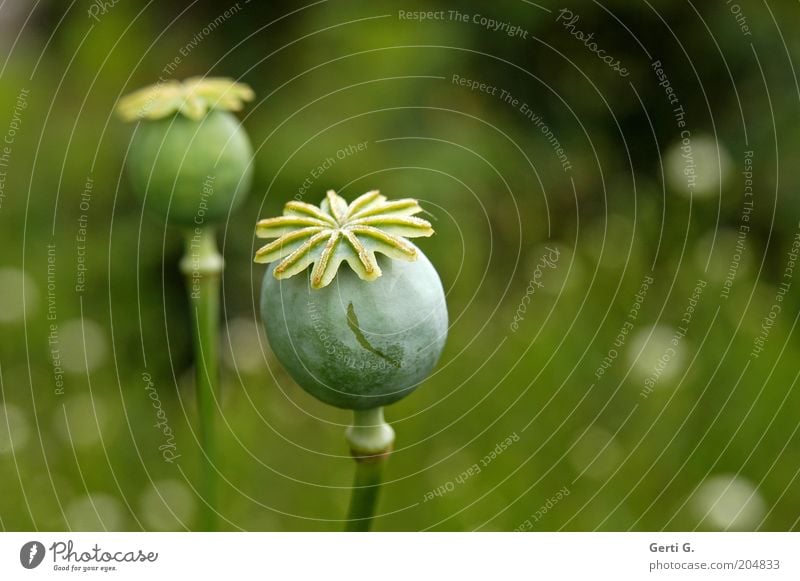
359 337
189 158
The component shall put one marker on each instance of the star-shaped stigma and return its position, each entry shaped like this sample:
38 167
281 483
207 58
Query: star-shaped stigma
193 98
336 232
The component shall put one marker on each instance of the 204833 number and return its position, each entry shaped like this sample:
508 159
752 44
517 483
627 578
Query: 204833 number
765 564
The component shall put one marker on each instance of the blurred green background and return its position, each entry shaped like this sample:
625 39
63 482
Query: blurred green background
715 444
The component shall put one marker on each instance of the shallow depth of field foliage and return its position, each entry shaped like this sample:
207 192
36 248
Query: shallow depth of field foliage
517 409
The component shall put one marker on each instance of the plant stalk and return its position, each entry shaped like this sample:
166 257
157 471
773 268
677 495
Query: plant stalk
371 440
202 265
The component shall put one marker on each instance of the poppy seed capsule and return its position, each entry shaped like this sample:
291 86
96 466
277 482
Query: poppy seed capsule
189 158
357 344
360 337
191 172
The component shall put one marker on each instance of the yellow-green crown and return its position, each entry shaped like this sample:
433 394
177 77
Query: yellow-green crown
193 98
337 232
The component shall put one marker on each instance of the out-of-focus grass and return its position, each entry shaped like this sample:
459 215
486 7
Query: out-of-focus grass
627 461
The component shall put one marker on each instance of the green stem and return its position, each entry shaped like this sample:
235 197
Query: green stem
202 265
371 440
364 499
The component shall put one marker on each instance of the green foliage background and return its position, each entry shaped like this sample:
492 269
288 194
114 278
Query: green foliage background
330 74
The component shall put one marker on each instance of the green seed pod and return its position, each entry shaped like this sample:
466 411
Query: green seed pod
369 336
190 159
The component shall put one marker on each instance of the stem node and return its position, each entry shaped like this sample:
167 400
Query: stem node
371 441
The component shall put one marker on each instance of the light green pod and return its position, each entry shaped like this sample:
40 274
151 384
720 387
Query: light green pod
189 158
358 337
358 344
190 171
